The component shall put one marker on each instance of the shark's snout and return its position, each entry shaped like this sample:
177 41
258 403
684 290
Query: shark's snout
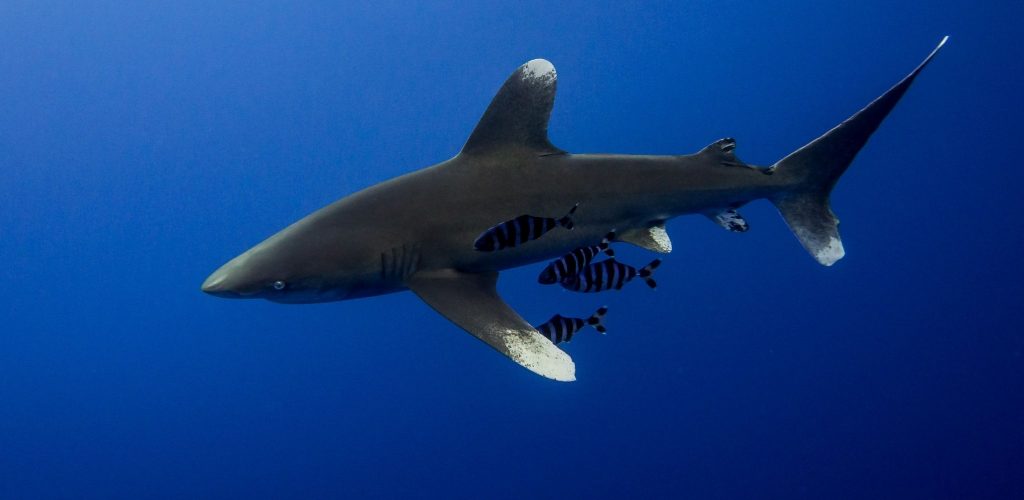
232 280
218 284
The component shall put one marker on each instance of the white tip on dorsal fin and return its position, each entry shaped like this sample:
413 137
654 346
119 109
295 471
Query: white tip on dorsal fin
517 117
538 67
653 238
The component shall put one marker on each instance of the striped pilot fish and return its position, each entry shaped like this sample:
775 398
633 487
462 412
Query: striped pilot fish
560 329
573 262
520 230
609 274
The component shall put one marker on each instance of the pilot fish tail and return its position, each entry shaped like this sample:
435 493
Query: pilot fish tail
560 329
520 230
566 221
573 262
646 272
595 320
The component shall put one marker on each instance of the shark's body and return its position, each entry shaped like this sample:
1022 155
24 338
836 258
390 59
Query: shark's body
417 231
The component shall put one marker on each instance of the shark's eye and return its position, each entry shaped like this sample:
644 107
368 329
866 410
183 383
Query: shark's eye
278 285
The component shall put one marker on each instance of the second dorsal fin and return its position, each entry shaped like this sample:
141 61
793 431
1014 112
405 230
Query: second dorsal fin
517 118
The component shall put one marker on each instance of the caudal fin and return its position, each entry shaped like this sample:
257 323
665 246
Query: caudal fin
566 221
606 244
647 271
816 167
595 320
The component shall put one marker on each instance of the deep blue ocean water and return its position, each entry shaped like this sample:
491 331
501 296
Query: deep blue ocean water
142 144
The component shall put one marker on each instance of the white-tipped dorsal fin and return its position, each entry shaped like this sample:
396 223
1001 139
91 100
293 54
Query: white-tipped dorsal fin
653 238
517 118
471 301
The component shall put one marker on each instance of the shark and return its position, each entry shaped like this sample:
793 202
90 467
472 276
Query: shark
416 232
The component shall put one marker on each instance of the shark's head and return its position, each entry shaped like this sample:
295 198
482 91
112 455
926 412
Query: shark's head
293 266
252 276
258 275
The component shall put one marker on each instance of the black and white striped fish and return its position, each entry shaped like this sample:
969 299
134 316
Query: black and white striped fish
573 262
609 274
560 329
520 230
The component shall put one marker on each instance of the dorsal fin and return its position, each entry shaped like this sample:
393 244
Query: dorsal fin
723 151
518 115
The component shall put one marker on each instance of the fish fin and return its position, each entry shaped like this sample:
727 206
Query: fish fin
813 223
730 219
647 271
595 320
517 118
471 301
606 244
653 238
723 151
566 221
814 169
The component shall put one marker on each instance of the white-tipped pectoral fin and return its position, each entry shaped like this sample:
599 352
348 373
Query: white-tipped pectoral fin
831 252
536 353
472 302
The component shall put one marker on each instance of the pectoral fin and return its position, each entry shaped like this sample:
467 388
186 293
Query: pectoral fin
472 302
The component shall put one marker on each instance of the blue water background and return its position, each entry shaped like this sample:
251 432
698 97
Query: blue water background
142 144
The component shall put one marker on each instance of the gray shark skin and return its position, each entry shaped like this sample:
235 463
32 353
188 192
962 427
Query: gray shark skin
416 232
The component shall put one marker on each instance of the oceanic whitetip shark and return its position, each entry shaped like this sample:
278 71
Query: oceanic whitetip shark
417 231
